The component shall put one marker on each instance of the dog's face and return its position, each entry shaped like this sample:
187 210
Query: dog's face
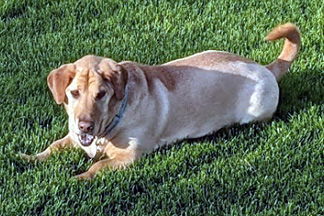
90 88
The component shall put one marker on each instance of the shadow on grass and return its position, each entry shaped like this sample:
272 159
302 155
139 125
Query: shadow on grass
19 10
298 92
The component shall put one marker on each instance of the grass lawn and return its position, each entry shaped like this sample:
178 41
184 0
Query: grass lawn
272 168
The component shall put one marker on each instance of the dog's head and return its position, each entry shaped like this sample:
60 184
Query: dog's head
90 90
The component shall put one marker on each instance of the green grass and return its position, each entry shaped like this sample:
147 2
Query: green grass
272 168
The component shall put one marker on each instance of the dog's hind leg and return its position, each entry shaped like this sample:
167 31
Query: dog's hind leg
58 145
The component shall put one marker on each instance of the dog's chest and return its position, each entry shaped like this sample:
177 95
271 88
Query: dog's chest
100 145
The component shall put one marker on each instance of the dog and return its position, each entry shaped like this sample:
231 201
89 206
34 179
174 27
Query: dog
119 111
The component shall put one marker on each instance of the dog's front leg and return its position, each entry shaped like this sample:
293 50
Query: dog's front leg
58 145
117 160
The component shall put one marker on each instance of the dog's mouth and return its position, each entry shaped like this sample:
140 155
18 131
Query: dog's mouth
86 139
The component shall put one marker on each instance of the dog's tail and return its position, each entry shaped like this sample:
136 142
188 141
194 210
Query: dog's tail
290 49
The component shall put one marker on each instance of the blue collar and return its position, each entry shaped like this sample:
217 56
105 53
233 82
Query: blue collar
114 122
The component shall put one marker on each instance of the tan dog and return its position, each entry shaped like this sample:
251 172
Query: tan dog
118 111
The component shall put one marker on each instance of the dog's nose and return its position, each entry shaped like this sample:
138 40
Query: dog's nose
86 126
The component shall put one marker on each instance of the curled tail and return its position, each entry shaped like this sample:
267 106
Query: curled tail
290 49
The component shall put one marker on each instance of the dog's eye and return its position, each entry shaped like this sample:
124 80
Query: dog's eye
100 95
75 93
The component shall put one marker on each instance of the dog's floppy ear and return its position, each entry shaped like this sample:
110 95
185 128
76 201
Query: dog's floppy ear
117 76
59 79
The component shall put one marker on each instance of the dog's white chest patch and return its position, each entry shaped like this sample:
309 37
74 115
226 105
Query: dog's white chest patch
96 148
100 144
91 150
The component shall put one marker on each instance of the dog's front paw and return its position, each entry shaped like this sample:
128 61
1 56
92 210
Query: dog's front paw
27 157
84 176
39 157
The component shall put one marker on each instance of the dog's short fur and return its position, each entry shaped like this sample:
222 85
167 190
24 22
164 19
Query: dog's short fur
185 98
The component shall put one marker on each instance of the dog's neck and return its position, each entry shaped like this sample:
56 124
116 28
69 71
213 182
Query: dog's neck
117 118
